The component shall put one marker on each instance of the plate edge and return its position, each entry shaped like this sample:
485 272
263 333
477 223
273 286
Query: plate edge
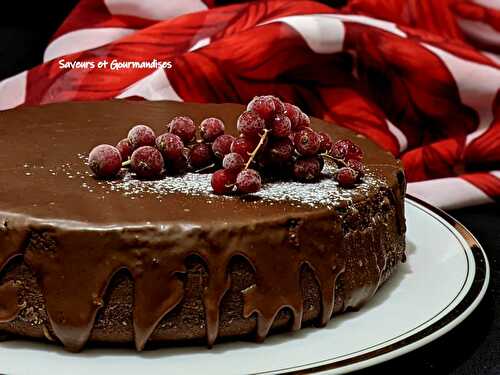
445 324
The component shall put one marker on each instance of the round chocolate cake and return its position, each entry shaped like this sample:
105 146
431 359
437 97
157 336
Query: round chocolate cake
129 261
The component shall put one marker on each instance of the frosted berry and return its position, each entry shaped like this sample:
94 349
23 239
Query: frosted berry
354 152
293 113
345 149
147 162
357 165
280 150
243 146
279 106
125 148
105 161
211 128
183 127
200 156
307 142
281 126
223 181
339 148
266 106
307 169
250 124
141 135
248 181
304 121
170 146
346 177
222 145
233 162
326 142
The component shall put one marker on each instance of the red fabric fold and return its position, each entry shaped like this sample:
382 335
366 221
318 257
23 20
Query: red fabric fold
419 77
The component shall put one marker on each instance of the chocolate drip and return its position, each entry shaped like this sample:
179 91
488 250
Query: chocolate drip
218 284
9 307
13 233
11 239
158 288
75 279
80 266
321 252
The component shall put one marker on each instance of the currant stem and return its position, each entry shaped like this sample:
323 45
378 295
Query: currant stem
256 150
205 168
336 160
126 163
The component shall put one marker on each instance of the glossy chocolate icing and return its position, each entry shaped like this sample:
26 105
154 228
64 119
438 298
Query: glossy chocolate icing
75 239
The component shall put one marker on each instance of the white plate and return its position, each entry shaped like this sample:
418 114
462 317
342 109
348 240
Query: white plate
443 280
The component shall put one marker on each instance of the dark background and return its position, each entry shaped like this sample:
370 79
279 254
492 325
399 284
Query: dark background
471 348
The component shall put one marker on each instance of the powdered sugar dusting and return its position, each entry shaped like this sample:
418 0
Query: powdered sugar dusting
325 192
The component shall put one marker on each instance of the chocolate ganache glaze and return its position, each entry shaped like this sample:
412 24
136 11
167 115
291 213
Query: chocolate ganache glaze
120 261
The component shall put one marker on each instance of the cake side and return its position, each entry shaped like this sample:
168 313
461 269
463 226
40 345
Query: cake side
363 260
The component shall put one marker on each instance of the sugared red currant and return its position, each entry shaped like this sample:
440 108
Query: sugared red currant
233 162
357 165
266 106
183 127
307 169
250 124
354 152
141 135
326 142
223 181
281 126
345 149
125 148
105 161
293 113
147 162
222 145
211 128
243 146
200 155
170 145
280 150
279 106
346 177
304 121
307 142
248 181
339 148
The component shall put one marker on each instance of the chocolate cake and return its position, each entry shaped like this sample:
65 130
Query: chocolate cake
84 260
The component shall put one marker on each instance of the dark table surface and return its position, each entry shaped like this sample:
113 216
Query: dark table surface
471 348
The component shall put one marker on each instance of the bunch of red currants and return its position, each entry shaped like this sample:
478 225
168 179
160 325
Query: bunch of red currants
275 139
